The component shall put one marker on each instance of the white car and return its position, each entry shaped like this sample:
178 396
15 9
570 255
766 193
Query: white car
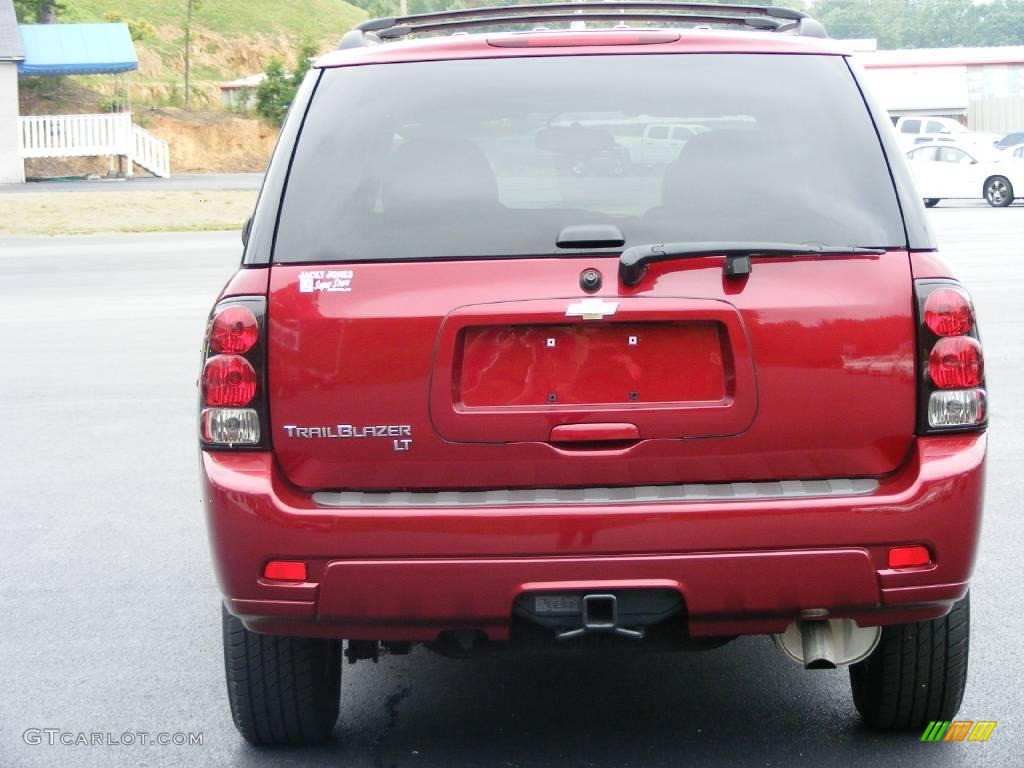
948 172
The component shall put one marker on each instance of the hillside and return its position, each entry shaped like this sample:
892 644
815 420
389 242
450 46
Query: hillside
230 39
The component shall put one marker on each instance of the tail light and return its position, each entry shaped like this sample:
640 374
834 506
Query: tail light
951 364
232 385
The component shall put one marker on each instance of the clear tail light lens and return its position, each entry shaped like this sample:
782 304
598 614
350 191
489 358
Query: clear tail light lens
231 426
951 365
956 408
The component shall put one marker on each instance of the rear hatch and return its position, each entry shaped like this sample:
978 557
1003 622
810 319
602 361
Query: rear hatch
426 333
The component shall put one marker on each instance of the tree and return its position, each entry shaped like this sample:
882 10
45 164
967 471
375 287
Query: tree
38 11
275 94
1000 23
925 23
192 5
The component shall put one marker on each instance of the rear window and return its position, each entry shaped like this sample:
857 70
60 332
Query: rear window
462 159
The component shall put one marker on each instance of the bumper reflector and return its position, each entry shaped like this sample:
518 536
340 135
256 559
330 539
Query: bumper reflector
285 570
909 557
955 408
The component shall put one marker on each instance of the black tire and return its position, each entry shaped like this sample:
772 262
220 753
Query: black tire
998 192
916 674
931 202
282 690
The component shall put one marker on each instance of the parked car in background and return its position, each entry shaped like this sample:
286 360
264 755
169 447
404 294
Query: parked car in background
913 131
659 144
635 141
1012 140
945 172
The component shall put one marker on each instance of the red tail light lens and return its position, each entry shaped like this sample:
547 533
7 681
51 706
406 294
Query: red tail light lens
233 394
228 380
947 312
956 363
951 394
234 330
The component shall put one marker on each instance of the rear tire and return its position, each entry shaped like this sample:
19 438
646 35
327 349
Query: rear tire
931 202
998 192
917 673
282 690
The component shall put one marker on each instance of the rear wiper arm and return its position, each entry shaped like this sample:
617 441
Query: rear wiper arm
634 260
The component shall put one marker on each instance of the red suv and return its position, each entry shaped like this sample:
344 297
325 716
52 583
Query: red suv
626 328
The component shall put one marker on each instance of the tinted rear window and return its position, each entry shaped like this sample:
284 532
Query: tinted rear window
494 157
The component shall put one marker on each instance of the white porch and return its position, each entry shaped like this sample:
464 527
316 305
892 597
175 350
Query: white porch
92 135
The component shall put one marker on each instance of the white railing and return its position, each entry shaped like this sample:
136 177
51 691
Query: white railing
85 135
151 153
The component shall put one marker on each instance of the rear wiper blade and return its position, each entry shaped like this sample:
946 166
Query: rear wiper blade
634 260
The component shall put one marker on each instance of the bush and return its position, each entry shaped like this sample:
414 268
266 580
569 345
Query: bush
275 94
139 29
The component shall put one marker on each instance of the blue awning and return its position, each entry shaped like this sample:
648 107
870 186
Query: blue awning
77 49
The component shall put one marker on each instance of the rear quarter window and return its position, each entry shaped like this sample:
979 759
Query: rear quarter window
469 159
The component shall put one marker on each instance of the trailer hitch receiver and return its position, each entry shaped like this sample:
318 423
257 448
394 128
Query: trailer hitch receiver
600 613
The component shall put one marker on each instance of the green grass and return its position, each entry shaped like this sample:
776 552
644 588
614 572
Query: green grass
270 27
300 19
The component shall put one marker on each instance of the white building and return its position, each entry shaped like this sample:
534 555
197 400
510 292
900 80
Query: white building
240 95
983 87
12 169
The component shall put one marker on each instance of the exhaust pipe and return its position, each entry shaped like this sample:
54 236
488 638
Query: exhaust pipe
827 643
819 651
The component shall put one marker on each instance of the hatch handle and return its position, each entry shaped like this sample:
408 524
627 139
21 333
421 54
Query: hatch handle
589 433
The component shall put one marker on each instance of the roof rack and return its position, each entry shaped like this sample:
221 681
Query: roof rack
761 17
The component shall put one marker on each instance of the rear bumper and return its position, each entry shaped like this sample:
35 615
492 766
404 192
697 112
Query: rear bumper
742 566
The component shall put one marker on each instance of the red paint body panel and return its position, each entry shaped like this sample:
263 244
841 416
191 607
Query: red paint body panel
928 264
252 281
690 369
742 566
819 369
842 579
590 364
481 47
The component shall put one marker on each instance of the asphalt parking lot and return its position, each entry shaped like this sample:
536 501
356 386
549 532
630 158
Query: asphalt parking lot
110 611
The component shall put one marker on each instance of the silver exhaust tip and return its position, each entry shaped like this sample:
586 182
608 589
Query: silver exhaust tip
827 643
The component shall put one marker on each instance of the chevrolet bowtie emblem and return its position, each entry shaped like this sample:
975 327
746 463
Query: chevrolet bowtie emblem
592 309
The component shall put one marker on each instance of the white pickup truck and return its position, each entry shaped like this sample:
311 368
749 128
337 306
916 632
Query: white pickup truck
922 130
659 144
